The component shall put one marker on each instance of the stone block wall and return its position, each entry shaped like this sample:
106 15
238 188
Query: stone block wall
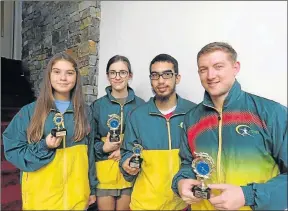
50 27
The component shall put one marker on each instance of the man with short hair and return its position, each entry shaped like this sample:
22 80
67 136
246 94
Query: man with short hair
245 135
156 126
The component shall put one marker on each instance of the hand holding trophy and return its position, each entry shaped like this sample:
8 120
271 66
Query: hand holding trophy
59 122
203 166
135 162
114 126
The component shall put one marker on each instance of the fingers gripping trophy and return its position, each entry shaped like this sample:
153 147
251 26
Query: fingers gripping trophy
202 165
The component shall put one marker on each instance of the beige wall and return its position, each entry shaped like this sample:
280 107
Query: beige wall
141 30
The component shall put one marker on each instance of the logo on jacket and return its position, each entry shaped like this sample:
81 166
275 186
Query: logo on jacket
181 124
245 130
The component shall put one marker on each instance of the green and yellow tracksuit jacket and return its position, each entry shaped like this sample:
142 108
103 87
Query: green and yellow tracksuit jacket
248 143
51 179
160 139
108 173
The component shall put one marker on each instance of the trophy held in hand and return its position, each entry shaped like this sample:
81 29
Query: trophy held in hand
135 162
203 166
114 127
59 122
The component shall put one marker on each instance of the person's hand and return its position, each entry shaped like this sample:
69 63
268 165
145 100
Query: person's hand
115 155
110 146
185 190
92 199
231 198
128 169
53 142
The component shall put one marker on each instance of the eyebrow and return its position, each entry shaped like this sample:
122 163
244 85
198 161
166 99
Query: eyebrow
165 71
63 70
119 70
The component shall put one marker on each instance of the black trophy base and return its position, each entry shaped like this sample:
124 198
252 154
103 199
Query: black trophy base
58 132
114 138
135 162
201 193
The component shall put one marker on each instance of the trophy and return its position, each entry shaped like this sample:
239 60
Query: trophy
59 122
114 126
135 162
202 165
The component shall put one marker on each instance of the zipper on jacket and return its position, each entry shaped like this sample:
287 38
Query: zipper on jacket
65 170
168 127
169 134
219 153
121 113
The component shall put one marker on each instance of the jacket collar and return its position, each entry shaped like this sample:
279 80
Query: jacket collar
179 108
131 94
69 109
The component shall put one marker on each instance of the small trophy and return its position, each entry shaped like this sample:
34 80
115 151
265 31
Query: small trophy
135 162
114 125
202 165
58 121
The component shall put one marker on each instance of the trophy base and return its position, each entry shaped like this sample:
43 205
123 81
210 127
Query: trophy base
135 162
201 193
58 132
114 139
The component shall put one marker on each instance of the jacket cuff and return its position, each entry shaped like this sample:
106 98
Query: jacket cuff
43 145
249 195
93 191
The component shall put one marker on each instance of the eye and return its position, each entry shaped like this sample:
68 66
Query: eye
202 70
56 71
112 73
70 72
218 67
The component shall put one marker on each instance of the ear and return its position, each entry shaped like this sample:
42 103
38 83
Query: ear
178 79
130 76
236 68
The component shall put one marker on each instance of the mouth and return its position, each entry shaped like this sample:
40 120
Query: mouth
212 84
118 82
162 89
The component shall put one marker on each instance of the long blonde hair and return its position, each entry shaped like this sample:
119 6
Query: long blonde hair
45 102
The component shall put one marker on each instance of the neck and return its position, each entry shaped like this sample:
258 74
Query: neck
119 93
166 105
218 102
63 97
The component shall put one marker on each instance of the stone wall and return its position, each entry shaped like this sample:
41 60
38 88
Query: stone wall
50 27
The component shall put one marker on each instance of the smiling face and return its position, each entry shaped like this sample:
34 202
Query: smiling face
217 73
62 78
118 76
164 87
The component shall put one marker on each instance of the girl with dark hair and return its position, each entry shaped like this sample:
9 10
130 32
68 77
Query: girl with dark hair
51 142
110 111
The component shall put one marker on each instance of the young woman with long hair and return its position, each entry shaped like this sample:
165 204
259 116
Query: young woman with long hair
51 142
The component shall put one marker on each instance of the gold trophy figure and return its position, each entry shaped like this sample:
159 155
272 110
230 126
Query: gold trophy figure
59 122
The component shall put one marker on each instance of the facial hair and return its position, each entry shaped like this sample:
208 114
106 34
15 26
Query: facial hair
166 97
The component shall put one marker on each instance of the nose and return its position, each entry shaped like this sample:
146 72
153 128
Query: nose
161 80
211 74
118 76
63 76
